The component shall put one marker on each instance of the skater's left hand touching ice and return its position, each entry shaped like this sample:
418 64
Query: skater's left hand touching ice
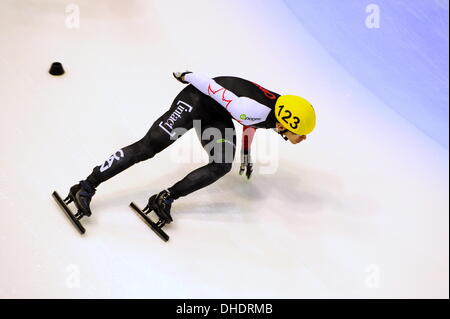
246 164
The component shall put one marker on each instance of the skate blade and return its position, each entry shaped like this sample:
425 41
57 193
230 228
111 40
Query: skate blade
63 204
150 223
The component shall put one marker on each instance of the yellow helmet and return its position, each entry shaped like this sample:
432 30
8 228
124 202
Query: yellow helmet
296 114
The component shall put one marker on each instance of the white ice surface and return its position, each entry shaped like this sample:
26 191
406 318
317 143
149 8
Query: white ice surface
360 209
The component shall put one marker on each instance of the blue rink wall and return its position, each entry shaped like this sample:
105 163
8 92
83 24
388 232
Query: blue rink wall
402 57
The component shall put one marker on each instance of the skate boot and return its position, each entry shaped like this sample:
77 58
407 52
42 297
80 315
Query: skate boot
81 194
161 204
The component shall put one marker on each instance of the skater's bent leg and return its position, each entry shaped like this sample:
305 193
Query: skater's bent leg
152 143
121 160
219 140
199 178
164 131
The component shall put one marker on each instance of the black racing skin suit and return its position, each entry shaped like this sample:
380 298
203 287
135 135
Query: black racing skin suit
190 105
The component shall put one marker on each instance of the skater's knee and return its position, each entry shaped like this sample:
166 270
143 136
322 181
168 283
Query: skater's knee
220 169
144 151
150 145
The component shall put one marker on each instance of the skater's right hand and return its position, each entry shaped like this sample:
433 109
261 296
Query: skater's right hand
180 76
246 165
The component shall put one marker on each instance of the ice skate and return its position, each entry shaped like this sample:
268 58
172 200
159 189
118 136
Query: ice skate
81 194
160 204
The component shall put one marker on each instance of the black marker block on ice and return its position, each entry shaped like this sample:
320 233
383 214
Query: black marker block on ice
56 69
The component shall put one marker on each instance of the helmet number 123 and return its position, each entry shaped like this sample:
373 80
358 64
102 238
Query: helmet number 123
285 118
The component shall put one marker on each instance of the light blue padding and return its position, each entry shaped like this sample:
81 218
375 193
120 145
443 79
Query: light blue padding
404 62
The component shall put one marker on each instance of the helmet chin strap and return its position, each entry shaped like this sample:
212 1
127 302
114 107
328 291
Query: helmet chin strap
282 134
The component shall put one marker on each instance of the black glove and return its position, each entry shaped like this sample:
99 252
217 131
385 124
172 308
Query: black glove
180 76
246 164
